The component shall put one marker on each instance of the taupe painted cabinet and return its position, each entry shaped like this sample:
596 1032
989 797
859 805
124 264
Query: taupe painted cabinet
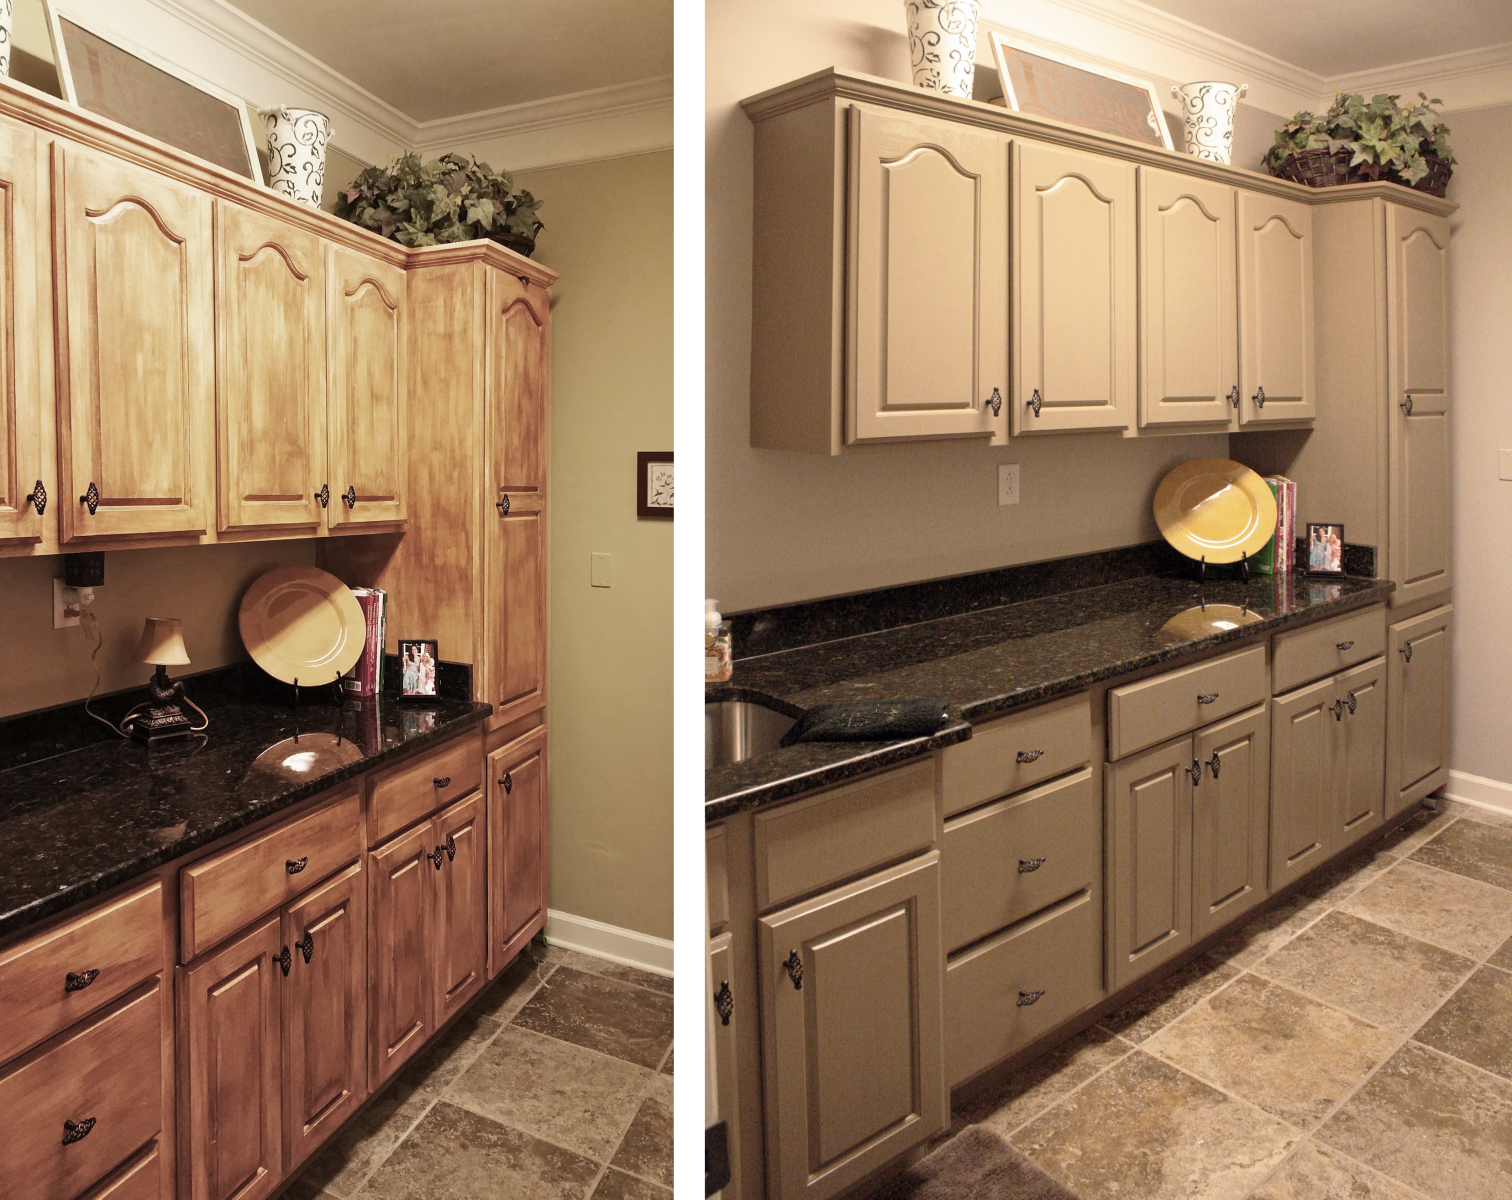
1418 708
1276 380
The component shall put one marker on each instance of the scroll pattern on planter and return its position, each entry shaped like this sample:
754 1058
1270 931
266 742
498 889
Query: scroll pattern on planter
7 14
296 153
942 39
1207 111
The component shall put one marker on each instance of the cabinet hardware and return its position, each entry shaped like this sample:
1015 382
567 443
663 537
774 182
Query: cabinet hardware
1195 771
1351 702
295 865
1025 999
1035 402
451 847
1028 756
283 960
794 967
507 783
1214 764
91 498
38 497
995 401
1259 397
324 495
437 857
350 496
442 781
78 981
1029 865
502 506
1233 395
1405 649
1206 697
77 1131
1343 645
306 947
1406 405
724 1002
1337 708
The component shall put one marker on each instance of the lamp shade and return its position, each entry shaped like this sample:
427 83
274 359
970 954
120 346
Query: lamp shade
163 642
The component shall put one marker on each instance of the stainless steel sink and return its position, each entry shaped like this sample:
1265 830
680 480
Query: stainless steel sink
735 730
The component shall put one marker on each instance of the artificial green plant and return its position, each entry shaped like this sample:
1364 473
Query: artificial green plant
1384 139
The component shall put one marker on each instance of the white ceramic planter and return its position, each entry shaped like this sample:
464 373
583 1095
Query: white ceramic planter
296 153
942 39
1207 111
7 14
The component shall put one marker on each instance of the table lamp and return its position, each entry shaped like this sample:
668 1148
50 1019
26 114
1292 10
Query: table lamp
163 646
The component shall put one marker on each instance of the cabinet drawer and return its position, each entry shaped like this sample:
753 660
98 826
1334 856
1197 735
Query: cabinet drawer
805 846
140 1179
1012 858
104 1077
1007 992
108 951
230 890
1017 752
1299 656
1155 709
414 790
716 866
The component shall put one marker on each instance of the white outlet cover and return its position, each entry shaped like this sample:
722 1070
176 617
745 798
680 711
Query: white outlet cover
1008 483
61 619
1504 465
600 574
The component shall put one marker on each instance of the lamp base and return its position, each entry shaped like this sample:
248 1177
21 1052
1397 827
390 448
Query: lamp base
158 725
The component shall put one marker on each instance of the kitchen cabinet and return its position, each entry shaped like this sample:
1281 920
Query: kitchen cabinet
1360 752
1230 819
517 825
1075 343
134 267
461 906
730 1017
1276 378
1417 720
28 462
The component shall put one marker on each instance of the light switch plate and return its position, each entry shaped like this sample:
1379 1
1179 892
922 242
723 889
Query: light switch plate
600 571
1505 471
1008 483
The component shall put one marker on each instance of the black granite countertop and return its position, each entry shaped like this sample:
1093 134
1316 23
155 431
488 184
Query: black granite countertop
991 661
80 822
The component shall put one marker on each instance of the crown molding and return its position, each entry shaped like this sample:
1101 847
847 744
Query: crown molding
597 104
1479 78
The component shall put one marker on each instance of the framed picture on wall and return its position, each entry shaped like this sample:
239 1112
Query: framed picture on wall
653 484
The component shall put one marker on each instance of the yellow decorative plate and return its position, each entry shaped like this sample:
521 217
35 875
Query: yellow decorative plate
1202 621
302 624
1216 509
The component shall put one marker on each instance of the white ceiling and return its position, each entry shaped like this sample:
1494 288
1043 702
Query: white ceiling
1340 37
446 58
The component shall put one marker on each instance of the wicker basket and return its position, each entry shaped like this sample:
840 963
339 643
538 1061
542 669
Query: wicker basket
1315 168
1436 182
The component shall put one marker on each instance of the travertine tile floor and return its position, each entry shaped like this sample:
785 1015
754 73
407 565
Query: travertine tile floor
555 1085
1355 1043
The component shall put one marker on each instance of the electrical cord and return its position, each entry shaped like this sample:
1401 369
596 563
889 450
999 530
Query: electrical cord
90 624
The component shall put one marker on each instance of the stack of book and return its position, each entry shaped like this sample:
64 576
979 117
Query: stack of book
366 676
1279 556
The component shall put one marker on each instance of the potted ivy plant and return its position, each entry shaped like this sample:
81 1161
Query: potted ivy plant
453 199
1357 140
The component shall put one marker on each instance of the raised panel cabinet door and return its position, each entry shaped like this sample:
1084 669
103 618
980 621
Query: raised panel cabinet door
324 1012
1276 380
519 384
365 395
928 276
517 840
1188 303
460 875
1150 807
1230 819
852 1029
1417 721
28 466
270 372
730 1017
401 989
514 669
1302 781
1417 298
229 1017
1360 752
1075 298
135 306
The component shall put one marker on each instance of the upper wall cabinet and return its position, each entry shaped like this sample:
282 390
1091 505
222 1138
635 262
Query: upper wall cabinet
135 347
271 372
1074 293
28 508
928 274
1275 311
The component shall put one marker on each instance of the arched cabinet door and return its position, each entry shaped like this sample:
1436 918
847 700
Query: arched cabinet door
1276 380
136 387
28 472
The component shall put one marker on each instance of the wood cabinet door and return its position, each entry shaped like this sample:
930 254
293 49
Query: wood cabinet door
928 278
1188 302
1417 720
461 937
270 372
514 669
229 1020
1359 752
365 396
1276 381
517 841
1150 810
1302 777
28 465
135 306
852 1029
519 382
729 1017
1075 298
401 991
1417 299
324 1012
1230 819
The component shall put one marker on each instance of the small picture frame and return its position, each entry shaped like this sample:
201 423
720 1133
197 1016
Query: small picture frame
418 661
1325 548
653 484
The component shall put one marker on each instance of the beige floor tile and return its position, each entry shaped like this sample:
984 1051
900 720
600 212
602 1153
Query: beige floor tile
647 1148
1472 849
1168 999
1315 1172
1384 976
1469 812
1341 879
1145 1131
613 970
667 1066
1291 1056
1503 957
1028 1092
1273 928
1415 830
1460 914
342 1164
616 1185
615 1018
514 987
1475 1024
567 1094
1432 1123
430 1071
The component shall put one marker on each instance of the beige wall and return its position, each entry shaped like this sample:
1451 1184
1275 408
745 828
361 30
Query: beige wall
609 233
43 666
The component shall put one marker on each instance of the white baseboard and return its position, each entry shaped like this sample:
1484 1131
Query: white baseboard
1479 792
588 936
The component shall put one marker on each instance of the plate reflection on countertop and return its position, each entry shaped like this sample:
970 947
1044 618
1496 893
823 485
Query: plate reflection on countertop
1204 621
307 755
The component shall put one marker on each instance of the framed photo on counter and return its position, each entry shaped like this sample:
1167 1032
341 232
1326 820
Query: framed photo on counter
1325 548
418 658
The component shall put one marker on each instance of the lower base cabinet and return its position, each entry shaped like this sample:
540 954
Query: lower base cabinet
729 1019
1418 707
517 821
1230 819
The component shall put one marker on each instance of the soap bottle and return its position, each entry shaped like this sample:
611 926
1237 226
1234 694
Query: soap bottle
719 659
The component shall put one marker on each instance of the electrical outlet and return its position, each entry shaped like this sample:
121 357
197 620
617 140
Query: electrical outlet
1008 484
1505 465
600 570
68 603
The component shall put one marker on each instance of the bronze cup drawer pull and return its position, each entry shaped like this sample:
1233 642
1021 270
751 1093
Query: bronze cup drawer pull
507 783
1025 999
1206 697
442 781
77 981
1342 646
724 1002
1405 650
1028 756
295 865
307 946
793 965
437 857
77 1131
1028 865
